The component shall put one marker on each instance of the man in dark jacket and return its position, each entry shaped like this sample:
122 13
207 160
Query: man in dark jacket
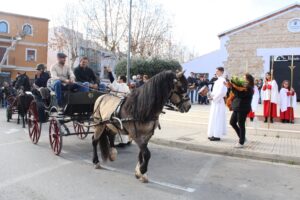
40 82
192 85
202 82
85 76
41 77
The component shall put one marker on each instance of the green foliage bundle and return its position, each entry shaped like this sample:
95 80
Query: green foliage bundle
238 81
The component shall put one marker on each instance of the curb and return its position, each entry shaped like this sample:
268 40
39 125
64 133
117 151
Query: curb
240 153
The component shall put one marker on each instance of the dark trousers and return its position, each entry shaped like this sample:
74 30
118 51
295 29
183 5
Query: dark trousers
237 121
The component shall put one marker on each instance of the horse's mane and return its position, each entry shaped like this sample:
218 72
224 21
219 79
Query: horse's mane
145 102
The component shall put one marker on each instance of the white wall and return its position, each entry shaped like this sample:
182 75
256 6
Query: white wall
209 62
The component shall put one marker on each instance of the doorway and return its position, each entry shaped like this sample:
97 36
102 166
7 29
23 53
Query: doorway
282 71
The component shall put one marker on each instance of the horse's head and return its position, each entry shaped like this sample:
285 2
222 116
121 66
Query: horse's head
22 82
179 94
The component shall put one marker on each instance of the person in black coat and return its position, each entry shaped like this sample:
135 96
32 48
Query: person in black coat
241 106
85 76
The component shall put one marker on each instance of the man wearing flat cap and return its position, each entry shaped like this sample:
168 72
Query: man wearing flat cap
40 81
41 77
62 78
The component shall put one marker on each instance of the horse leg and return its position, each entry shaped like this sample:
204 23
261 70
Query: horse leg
142 165
95 141
113 151
18 121
95 153
23 120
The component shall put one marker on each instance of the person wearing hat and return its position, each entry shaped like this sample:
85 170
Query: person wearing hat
41 77
40 81
62 78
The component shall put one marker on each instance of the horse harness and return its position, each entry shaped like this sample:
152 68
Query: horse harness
115 117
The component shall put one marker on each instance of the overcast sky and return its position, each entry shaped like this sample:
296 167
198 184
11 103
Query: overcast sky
196 23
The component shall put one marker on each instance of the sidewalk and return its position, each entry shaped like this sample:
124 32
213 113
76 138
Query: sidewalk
280 143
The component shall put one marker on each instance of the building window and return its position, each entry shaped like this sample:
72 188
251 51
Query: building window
3 27
27 29
30 55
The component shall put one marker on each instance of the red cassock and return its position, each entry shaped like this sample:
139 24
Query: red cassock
251 114
269 105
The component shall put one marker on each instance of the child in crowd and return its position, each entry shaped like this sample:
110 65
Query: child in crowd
288 102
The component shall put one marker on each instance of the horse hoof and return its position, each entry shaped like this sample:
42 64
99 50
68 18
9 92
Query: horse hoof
113 154
97 166
144 179
138 173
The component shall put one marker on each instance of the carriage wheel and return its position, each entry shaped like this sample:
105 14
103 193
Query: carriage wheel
55 136
34 126
82 131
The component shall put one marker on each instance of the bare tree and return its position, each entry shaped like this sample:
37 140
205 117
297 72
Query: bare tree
150 29
106 22
66 37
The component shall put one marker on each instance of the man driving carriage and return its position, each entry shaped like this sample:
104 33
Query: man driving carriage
62 78
85 76
40 81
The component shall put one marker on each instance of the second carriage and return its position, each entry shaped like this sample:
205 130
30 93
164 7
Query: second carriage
78 110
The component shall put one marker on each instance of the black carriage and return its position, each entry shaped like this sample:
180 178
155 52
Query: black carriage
78 109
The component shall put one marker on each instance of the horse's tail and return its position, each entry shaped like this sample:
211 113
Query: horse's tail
104 145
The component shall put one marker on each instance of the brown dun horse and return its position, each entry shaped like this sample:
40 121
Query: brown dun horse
137 116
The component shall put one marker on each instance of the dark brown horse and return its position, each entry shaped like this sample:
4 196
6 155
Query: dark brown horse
137 115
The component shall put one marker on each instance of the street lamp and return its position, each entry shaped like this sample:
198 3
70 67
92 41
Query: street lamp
129 44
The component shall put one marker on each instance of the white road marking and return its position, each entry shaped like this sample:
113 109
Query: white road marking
164 184
13 181
11 130
172 186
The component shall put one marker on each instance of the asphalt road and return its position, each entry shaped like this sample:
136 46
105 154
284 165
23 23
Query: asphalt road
33 172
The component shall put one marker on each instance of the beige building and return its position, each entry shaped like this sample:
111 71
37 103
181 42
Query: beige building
26 37
250 48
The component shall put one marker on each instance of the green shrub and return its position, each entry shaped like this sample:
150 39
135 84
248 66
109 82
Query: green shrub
149 67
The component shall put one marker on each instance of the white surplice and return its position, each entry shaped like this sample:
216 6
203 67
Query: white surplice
286 101
273 93
217 116
255 98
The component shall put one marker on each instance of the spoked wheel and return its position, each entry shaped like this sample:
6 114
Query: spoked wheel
82 131
34 125
55 136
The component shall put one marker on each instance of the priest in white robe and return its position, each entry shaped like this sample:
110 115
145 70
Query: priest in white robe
217 118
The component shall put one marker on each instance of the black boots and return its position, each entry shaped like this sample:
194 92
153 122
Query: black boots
271 120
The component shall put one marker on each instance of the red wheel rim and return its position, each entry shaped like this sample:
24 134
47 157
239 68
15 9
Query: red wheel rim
34 127
80 130
55 137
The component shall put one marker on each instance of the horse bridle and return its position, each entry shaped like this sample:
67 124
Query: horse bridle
183 98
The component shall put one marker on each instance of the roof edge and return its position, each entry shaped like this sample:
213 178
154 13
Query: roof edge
260 19
20 15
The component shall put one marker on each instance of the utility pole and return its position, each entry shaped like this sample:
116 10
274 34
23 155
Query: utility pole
129 44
